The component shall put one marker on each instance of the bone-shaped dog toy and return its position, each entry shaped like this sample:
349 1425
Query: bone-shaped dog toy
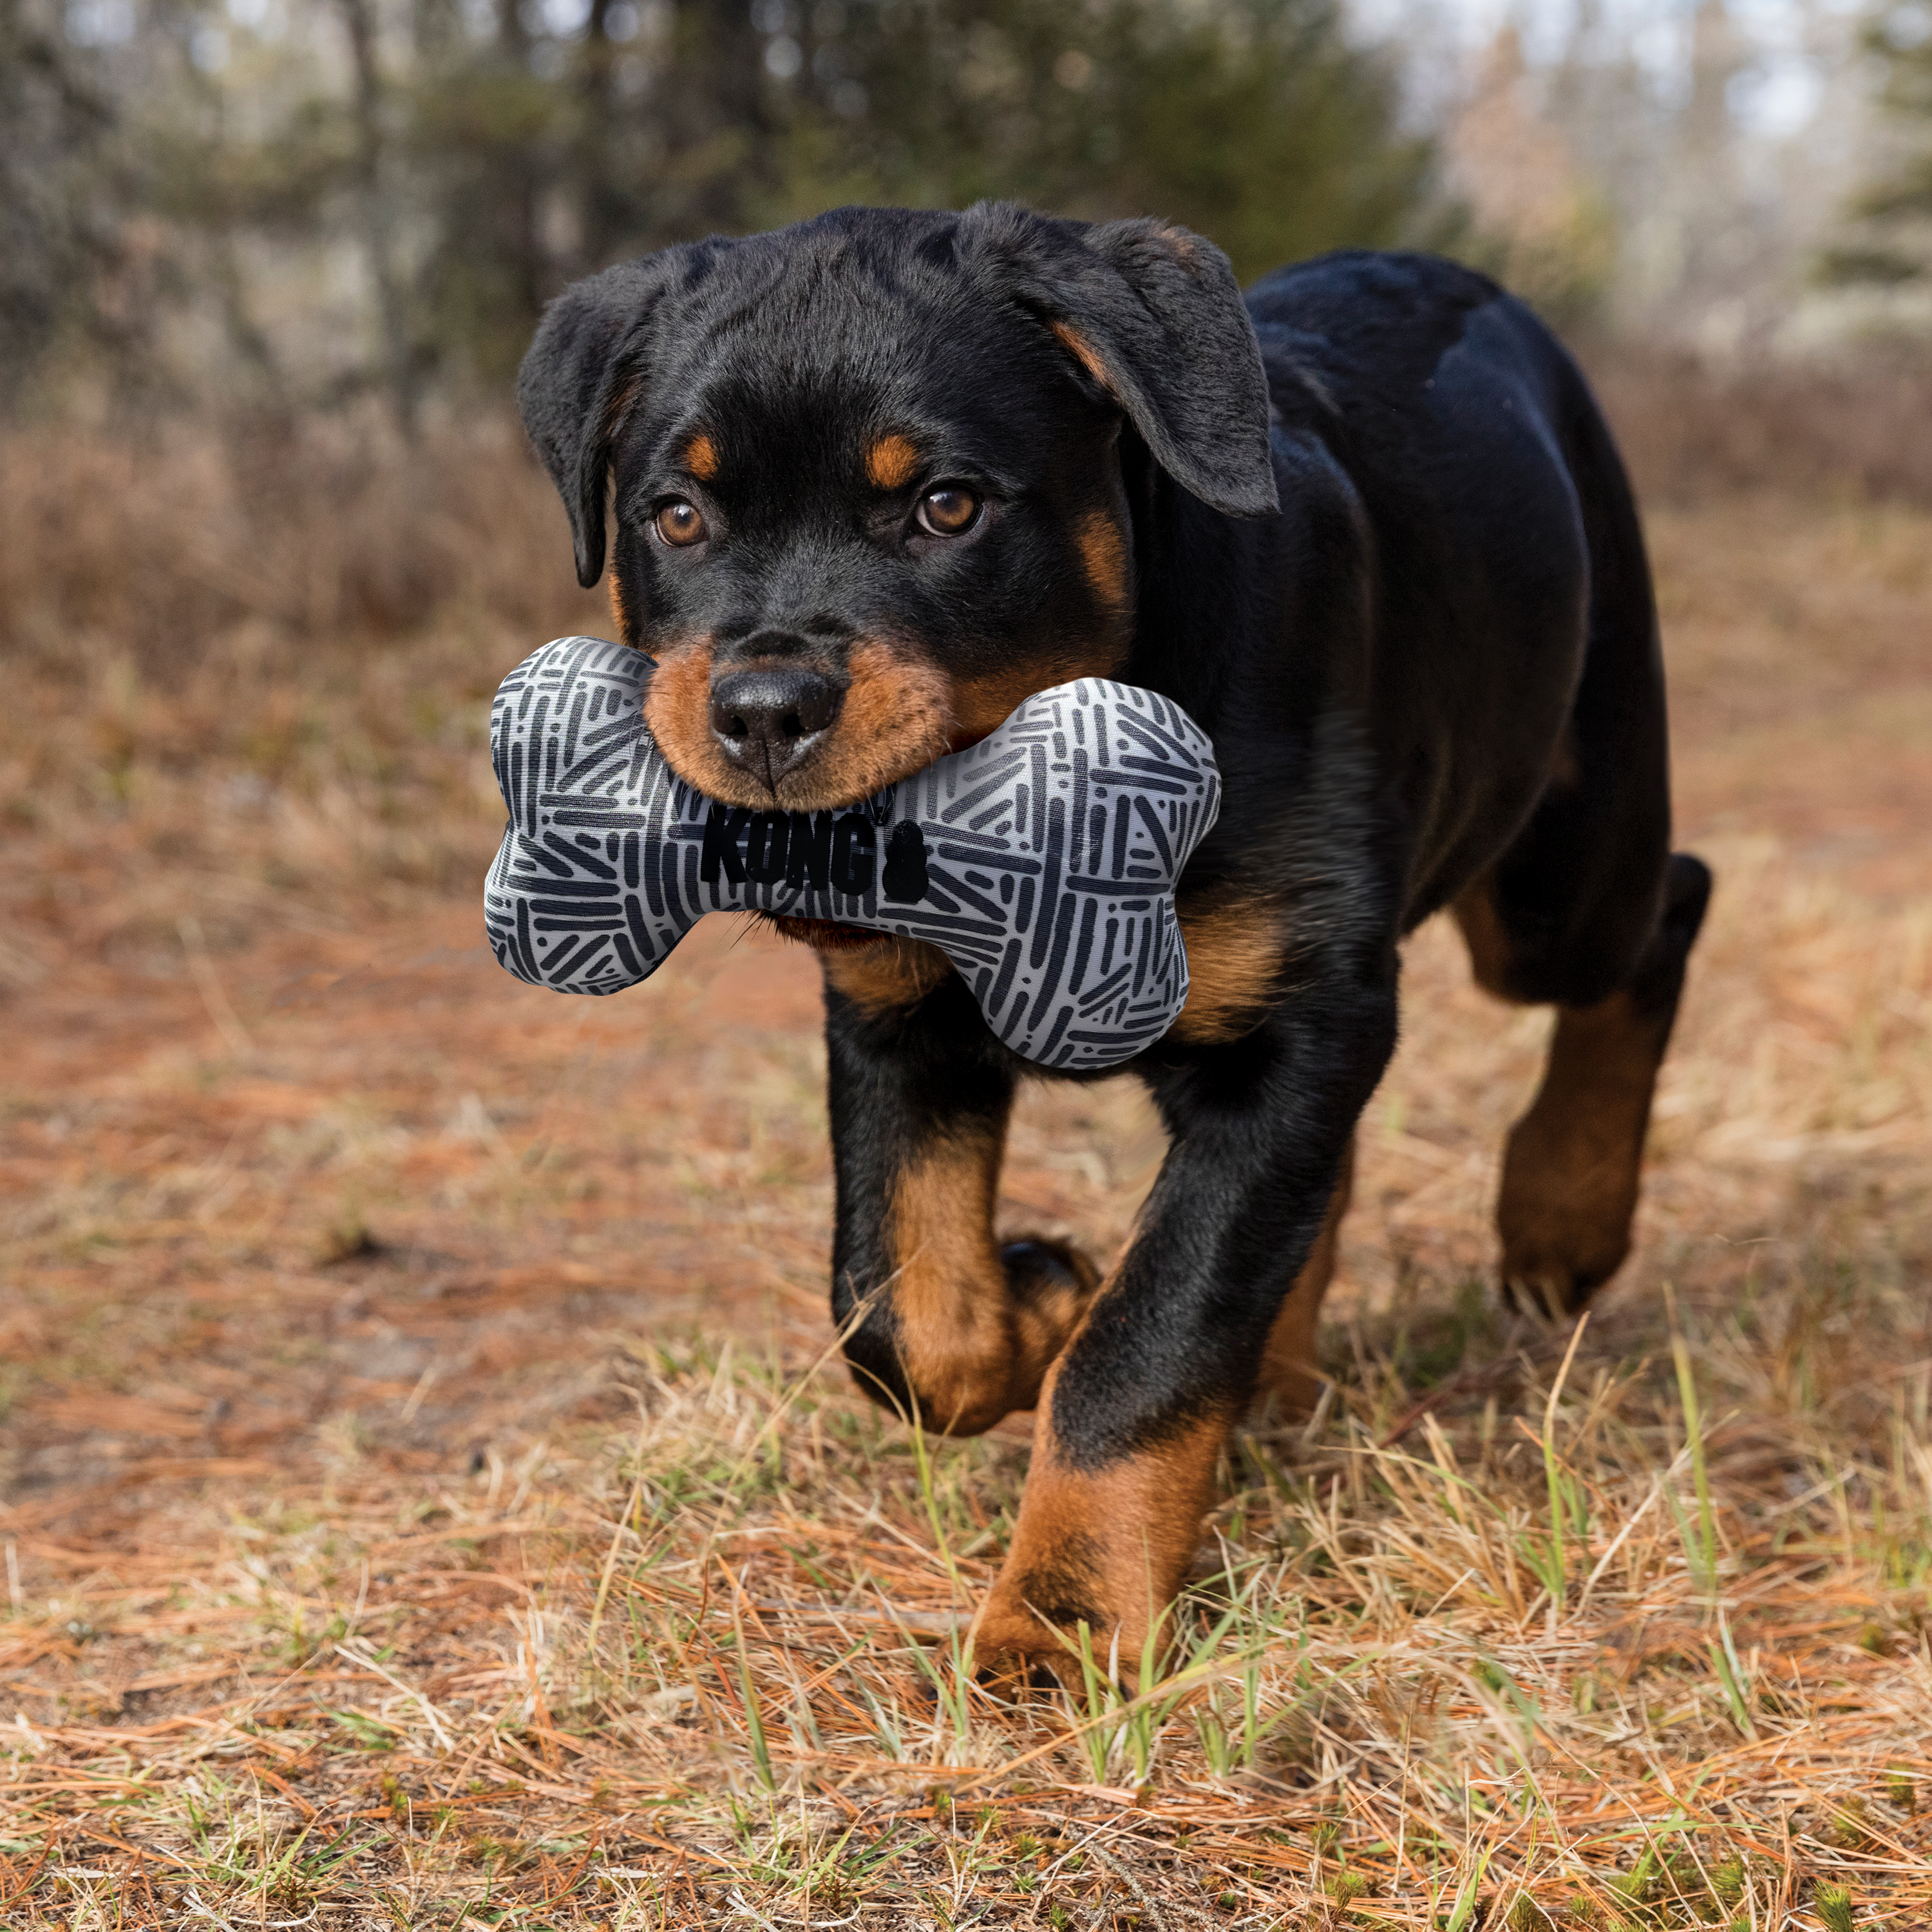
1042 861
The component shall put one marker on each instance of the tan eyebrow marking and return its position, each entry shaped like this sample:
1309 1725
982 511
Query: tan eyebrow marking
700 457
891 462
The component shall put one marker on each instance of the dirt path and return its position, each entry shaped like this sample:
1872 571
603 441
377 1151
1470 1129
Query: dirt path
351 1182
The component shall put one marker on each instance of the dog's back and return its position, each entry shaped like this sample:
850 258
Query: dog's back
1505 561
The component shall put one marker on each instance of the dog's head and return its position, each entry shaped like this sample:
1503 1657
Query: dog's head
866 473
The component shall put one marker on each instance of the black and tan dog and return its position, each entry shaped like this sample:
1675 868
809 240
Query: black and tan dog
879 477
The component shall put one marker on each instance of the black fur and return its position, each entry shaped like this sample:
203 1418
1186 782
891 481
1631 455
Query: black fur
1382 550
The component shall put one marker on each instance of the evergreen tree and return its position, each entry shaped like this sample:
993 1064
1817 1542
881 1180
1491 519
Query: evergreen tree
1891 240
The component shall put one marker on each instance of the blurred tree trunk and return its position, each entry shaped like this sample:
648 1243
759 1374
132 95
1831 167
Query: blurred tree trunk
436 30
518 216
604 209
722 133
57 199
378 213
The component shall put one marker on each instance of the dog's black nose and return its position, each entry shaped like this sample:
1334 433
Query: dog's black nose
767 720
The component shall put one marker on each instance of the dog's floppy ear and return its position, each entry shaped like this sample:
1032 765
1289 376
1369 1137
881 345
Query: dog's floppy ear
579 378
1153 315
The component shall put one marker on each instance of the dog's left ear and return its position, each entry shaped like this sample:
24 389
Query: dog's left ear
582 374
1153 315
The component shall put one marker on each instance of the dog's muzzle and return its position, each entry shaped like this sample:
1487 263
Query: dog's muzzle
1043 861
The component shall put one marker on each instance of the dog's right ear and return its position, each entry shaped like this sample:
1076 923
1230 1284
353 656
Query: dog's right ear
580 377
1153 318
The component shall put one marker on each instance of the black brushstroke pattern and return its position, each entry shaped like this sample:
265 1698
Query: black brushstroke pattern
609 858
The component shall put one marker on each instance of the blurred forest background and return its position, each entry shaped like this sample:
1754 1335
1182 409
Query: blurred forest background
266 266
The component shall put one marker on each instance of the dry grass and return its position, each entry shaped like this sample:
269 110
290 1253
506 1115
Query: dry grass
705 1667
428 1503
155 541
1693 433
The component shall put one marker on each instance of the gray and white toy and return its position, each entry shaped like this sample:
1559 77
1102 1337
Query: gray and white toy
1042 861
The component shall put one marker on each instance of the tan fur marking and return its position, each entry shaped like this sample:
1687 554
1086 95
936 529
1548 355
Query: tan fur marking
1288 1373
1573 1163
619 616
825 935
1043 1322
700 457
1111 1546
1084 352
1233 955
896 718
1571 1169
1483 933
887 974
948 1295
618 406
981 705
1104 551
677 708
891 462
971 1349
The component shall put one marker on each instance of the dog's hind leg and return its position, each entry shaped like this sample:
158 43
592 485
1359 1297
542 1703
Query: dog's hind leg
940 1320
1571 1168
1588 910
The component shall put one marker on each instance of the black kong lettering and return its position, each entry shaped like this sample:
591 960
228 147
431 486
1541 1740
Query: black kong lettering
810 852
853 843
722 826
905 876
765 847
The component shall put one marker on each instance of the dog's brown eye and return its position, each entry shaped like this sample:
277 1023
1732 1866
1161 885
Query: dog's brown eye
680 525
948 512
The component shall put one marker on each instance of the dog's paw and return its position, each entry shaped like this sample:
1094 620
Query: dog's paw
1036 1266
1048 1286
1553 1293
1017 1646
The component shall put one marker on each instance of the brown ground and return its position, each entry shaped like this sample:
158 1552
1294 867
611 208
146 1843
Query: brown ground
342 1152
302 1193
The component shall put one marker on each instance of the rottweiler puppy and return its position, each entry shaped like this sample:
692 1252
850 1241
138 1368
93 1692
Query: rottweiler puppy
876 478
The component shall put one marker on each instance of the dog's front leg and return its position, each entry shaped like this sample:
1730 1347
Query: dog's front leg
1134 1413
942 1321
